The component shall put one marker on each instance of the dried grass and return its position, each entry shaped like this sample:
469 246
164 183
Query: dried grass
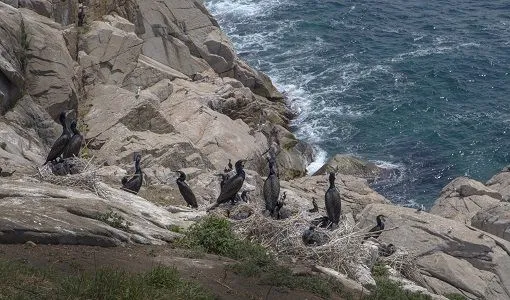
284 238
85 177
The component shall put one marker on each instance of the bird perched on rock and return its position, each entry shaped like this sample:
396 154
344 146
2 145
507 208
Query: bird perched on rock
229 166
6 174
315 206
232 185
376 231
332 200
61 143
73 147
271 189
185 190
133 185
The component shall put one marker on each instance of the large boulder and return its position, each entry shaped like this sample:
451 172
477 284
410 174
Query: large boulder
448 257
495 220
462 198
501 183
354 192
42 7
13 56
111 51
350 165
50 67
48 214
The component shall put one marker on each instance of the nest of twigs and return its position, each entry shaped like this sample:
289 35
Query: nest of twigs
284 238
403 262
72 172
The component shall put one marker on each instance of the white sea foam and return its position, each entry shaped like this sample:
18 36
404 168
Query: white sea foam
319 161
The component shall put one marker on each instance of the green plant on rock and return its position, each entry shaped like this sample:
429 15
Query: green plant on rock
455 296
114 219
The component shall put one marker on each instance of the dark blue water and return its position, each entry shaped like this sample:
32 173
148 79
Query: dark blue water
422 86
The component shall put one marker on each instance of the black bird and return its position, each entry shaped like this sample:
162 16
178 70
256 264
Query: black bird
186 191
315 206
312 237
245 197
229 166
74 145
376 231
271 189
231 186
133 185
332 199
6 174
60 144
322 222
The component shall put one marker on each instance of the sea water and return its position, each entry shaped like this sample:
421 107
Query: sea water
420 86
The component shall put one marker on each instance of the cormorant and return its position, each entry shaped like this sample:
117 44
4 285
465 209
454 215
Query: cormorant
245 197
60 144
315 206
133 185
231 186
271 189
74 145
312 237
229 166
186 191
332 200
376 231
6 174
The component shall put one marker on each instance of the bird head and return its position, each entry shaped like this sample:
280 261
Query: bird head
332 177
240 164
182 175
381 217
73 125
137 157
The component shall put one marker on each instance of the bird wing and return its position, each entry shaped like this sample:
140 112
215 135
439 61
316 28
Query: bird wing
333 205
58 147
230 189
74 146
187 194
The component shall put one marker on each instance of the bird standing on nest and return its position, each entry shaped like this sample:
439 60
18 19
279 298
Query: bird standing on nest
134 184
232 186
185 190
73 147
332 201
61 143
271 189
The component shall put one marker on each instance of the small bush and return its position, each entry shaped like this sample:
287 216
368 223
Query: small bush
380 270
114 219
174 228
389 290
454 296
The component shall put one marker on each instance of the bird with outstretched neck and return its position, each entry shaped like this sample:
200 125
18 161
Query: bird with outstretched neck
271 188
333 202
74 145
134 184
232 186
376 231
61 143
185 190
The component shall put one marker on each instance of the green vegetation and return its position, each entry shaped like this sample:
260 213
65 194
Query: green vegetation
215 235
175 228
387 289
454 296
114 219
20 281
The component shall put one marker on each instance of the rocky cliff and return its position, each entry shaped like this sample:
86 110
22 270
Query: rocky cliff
162 79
